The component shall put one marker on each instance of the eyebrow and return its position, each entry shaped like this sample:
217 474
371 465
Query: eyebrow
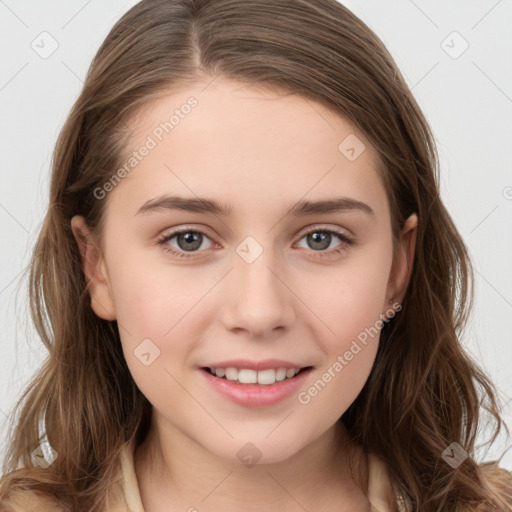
203 205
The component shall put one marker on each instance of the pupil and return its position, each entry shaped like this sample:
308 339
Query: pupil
190 237
320 238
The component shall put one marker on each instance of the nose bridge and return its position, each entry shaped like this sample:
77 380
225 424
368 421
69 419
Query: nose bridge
259 301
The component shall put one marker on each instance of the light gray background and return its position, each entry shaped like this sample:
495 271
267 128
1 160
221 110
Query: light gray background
467 100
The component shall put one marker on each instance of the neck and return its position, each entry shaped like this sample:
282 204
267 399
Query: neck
173 469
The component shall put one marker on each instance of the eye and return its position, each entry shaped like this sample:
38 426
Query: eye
187 240
320 239
191 241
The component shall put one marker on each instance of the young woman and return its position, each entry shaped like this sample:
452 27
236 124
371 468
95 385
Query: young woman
248 285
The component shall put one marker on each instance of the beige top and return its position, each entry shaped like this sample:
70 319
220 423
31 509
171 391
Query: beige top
125 496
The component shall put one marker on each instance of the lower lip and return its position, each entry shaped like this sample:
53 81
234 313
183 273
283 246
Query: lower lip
256 395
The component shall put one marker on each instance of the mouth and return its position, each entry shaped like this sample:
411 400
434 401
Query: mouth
261 378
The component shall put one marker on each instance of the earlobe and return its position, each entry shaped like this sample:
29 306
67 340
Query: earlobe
403 260
94 269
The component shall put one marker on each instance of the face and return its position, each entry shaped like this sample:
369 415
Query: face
270 278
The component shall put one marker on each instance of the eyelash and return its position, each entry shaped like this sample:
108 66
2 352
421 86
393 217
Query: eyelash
346 242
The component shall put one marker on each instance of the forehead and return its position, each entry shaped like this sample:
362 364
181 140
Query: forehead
238 142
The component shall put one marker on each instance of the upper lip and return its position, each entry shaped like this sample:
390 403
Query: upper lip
265 364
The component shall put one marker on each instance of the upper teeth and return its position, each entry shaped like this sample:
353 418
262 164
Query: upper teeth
265 377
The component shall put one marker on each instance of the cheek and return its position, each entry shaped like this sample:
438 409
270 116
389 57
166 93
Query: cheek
349 302
151 315
161 313
151 299
349 348
337 384
348 298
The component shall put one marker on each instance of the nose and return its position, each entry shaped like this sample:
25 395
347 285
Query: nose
258 299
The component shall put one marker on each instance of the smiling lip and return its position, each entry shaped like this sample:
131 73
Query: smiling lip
246 364
256 395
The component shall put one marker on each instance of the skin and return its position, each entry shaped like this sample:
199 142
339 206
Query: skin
259 152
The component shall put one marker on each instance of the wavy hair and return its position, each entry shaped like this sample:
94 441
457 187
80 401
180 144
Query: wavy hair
424 391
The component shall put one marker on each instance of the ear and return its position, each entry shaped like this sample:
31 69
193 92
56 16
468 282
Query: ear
95 270
403 258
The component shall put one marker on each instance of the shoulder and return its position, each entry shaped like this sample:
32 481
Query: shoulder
380 488
30 501
492 470
499 482
18 493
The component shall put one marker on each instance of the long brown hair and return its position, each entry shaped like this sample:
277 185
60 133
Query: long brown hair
424 391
